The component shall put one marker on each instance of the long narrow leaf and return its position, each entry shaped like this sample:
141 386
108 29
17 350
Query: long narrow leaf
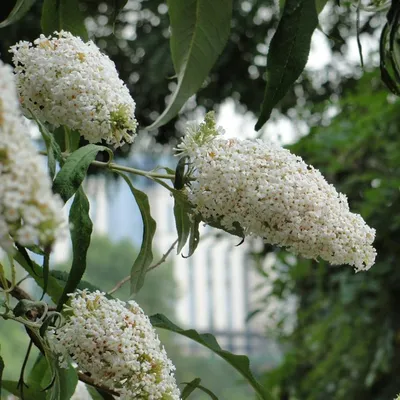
1 372
118 5
73 172
239 362
20 9
288 52
199 32
194 235
81 230
33 392
182 221
64 15
207 391
190 388
52 147
145 256
54 289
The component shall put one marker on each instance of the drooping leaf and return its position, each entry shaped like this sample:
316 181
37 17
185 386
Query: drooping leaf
390 50
54 289
35 249
46 269
98 394
190 388
64 15
179 181
1 371
60 382
288 52
195 384
74 138
39 372
33 392
62 276
194 234
237 230
182 212
199 32
240 362
52 147
118 5
81 230
73 172
20 9
145 256
64 384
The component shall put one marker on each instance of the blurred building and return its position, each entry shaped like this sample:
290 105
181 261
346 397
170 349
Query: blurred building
216 285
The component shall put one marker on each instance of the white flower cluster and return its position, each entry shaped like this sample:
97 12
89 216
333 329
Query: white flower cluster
115 343
29 212
64 81
273 194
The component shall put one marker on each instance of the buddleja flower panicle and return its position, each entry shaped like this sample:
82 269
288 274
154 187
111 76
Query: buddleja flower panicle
116 344
274 194
29 212
64 81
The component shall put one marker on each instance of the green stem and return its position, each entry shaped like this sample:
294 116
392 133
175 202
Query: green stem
117 167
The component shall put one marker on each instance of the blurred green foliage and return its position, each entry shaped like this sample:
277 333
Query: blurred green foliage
346 338
140 49
108 263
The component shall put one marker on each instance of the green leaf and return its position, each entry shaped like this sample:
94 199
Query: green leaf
54 289
190 388
237 230
39 372
81 230
194 237
83 284
145 256
64 15
195 384
60 383
179 180
65 381
74 138
46 269
98 394
199 32
288 52
1 372
52 147
33 392
74 170
20 9
239 362
118 5
182 210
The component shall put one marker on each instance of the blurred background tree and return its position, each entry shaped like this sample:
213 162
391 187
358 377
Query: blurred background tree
346 338
108 263
140 49
345 341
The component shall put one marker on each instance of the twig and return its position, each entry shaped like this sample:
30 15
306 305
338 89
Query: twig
27 276
117 167
164 257
20 294
119 284
127 278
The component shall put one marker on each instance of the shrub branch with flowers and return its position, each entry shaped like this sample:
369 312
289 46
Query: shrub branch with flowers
244 187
